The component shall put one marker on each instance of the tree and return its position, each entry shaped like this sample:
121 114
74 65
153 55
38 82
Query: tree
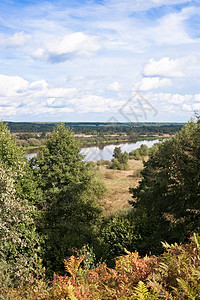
120 160
70 191
170 191
12 157
120 232
18 191
117 152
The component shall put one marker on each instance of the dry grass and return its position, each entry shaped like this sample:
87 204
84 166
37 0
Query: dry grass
118 184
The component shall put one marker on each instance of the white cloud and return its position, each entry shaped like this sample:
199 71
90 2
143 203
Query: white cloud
10 86
196 106
115 86
178 99
197 97
17 92
169 108
187 107
20 97
164 67
94 103
16 40
8 111
149 83
38 85
61 92
171 30
170 67
72 45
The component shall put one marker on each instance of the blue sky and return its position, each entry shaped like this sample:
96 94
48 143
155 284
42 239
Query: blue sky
105 60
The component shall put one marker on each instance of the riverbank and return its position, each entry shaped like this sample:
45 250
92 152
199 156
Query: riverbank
92 141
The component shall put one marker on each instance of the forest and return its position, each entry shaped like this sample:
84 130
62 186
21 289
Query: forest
58 243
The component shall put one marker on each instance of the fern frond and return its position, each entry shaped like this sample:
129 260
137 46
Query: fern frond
166 245
70 290
187 290
141 291
197 240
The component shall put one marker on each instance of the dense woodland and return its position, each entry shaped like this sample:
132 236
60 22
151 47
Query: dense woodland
57 244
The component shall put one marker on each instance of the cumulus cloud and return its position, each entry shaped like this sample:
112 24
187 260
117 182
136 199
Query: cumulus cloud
16 40
71 46
164 67
20 97
149 83
169 67
10 86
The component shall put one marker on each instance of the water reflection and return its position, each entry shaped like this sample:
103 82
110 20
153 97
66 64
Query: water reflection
106 152
97 153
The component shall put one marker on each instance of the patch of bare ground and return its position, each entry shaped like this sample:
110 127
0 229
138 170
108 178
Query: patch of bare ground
118 184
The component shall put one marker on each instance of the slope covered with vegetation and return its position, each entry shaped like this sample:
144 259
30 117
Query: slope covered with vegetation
50 213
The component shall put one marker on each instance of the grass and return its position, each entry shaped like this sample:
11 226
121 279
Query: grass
118 184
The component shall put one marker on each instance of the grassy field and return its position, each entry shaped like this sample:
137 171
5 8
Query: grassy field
118 184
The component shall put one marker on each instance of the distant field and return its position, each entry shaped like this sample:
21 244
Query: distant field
118 184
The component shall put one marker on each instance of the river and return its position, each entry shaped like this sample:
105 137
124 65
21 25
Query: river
106 152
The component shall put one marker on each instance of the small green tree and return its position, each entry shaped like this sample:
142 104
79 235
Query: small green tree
117 152
70 192
120 160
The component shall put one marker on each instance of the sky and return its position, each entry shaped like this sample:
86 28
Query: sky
99 61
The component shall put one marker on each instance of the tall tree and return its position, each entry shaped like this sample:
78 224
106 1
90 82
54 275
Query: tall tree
70 191
12 157
18 237
170 189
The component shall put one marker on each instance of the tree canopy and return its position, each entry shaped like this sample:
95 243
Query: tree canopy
18 236
170 189
70 191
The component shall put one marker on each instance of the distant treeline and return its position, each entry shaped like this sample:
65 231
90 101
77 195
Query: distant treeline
97 127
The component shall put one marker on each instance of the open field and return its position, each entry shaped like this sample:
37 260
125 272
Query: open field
118 184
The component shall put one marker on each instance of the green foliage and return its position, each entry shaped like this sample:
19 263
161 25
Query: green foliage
169 192
70 192
18 193
19 240
121 232
123 282
12 157
173 275
143 151
120 160
141 292
117 152
178 273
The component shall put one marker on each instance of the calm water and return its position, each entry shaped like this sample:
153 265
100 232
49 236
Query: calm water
96 153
